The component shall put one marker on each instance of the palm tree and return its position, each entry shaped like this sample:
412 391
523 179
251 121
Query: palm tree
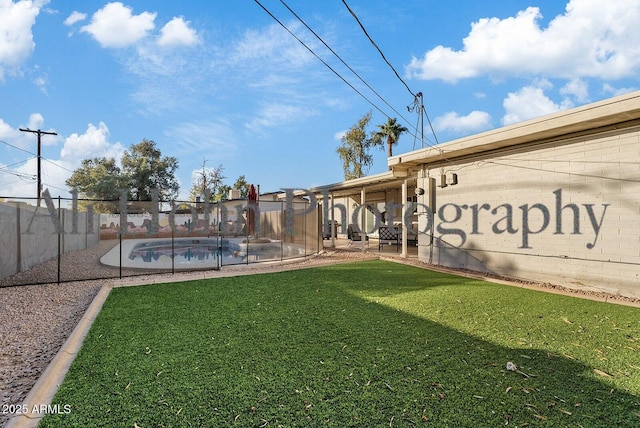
389 133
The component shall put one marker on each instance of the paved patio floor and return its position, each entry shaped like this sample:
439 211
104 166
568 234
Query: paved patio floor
373 248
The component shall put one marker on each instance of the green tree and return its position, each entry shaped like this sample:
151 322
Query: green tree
223 192
242 185
354 150
208 181
145 169
98 178
388 133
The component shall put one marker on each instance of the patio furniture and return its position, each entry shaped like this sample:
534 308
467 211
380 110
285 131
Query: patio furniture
331 230
353 234
412 234
388 235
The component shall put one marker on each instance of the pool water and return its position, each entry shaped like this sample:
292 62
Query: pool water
190 253
184 253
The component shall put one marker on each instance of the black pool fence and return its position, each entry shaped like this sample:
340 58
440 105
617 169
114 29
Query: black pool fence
55 240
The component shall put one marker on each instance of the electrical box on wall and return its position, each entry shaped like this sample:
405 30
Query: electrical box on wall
451 180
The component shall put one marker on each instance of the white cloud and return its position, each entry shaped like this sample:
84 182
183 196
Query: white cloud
41 82
177 33
166 78
7 133
16 38
114 26
26 140
591 39
273 45
473 122
608 89
19 179
93 143
36 120
275 114
577 88
199 139
75 17
529 102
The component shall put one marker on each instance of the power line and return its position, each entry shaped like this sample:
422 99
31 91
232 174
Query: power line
6 167
419 105
415 96
376 46
51 186
20 180
328 66
318 57
34 155
18 148
19 174
423 111
58 165
57 188
345 64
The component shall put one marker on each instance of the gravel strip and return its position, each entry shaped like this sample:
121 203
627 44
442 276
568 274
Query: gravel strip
35 320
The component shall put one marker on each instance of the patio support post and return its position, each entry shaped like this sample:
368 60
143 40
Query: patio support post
432 206
332 227
405 233
363 219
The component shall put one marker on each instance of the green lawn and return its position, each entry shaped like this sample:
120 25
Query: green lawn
364 344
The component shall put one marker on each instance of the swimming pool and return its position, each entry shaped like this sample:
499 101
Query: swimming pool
197 253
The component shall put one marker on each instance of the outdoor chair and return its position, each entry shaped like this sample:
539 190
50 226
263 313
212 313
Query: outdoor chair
354 235
388 235
412 234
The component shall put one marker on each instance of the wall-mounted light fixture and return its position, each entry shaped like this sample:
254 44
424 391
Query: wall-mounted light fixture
443 181
454 179
419 191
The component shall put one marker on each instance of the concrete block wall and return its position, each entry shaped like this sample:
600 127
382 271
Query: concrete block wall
597 177
29 236
9 258
86 234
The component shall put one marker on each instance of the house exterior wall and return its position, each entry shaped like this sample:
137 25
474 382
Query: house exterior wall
565 212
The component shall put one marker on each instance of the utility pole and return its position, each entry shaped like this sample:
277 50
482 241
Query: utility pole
39 133
419 107
204 179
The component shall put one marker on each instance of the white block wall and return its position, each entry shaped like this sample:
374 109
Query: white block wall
589 171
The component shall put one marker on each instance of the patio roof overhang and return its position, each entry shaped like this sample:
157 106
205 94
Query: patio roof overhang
372 183
610 114
613 113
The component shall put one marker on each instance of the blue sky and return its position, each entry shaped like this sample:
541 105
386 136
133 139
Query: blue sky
223 82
